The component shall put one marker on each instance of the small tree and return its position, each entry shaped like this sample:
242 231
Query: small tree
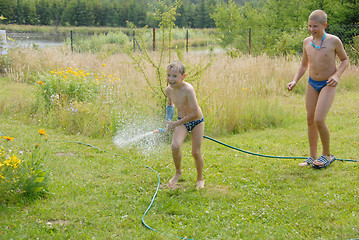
233 22
166 15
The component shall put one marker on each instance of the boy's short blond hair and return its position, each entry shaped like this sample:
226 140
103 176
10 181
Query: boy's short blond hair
178 65
319 16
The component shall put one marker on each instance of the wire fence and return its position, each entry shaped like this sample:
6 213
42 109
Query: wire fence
247 41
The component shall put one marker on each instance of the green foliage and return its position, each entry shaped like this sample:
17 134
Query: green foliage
353 51
110 43
5 63
166 15
76 101
287 43
276 14
65 86
23 176
233 23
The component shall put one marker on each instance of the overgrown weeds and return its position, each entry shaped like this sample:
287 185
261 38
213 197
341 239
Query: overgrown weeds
23 176
95 91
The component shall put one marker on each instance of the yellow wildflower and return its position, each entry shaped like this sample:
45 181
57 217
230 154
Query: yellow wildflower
15 161
8 138
40 82
2 17
104 64
42 132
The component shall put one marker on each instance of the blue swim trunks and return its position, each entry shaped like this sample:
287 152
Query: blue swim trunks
190 125
318 85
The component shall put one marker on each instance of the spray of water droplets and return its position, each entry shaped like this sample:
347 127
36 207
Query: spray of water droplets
138 132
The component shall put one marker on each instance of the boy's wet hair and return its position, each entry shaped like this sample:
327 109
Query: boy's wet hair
178 65
319 16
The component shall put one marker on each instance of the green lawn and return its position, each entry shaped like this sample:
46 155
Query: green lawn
103 195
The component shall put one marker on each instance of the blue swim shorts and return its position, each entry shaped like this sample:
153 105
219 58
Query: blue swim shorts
190 125
318 85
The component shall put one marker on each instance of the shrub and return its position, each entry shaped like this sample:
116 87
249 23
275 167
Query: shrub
353 50
67 85
22 174
288 43
112 42
77 101
5 63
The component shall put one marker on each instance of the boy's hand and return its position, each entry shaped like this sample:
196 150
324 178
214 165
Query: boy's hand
169 125
291 85
332 81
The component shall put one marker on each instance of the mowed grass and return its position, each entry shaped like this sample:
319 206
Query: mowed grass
103 195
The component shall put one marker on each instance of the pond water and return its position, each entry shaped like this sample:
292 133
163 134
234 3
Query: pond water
33 43
34 39
55 39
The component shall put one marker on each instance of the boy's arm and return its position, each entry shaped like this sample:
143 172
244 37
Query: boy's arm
169 108
301 70
344 63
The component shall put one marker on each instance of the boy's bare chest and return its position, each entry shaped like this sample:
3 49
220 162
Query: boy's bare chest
322 55
179 98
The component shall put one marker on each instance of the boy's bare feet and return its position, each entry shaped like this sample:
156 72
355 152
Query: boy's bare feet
200 184
173 182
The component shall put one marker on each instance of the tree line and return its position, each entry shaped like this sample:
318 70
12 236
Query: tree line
191 13
115 13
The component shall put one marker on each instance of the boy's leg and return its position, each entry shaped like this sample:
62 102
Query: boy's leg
197 137
179 134
325 101
311 98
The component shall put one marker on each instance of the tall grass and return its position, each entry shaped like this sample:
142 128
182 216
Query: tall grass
236 94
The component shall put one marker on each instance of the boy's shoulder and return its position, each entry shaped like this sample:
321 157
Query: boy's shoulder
330 38
333 37
188 87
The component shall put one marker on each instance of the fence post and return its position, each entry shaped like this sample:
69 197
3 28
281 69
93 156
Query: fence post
154 39
249 40
72 42
3 48
187 40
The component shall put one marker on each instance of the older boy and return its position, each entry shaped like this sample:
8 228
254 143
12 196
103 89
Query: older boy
190 119
319 52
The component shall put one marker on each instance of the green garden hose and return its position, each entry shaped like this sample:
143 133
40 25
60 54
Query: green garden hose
266 156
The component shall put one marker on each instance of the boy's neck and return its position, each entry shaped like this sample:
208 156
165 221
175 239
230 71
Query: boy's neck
179 85
319 36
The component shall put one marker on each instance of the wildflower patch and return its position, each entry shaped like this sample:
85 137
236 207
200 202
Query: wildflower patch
22 174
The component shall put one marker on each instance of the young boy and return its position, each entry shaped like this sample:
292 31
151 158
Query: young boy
190 119
319 53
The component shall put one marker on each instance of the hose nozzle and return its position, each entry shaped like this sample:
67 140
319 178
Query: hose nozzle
160 130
